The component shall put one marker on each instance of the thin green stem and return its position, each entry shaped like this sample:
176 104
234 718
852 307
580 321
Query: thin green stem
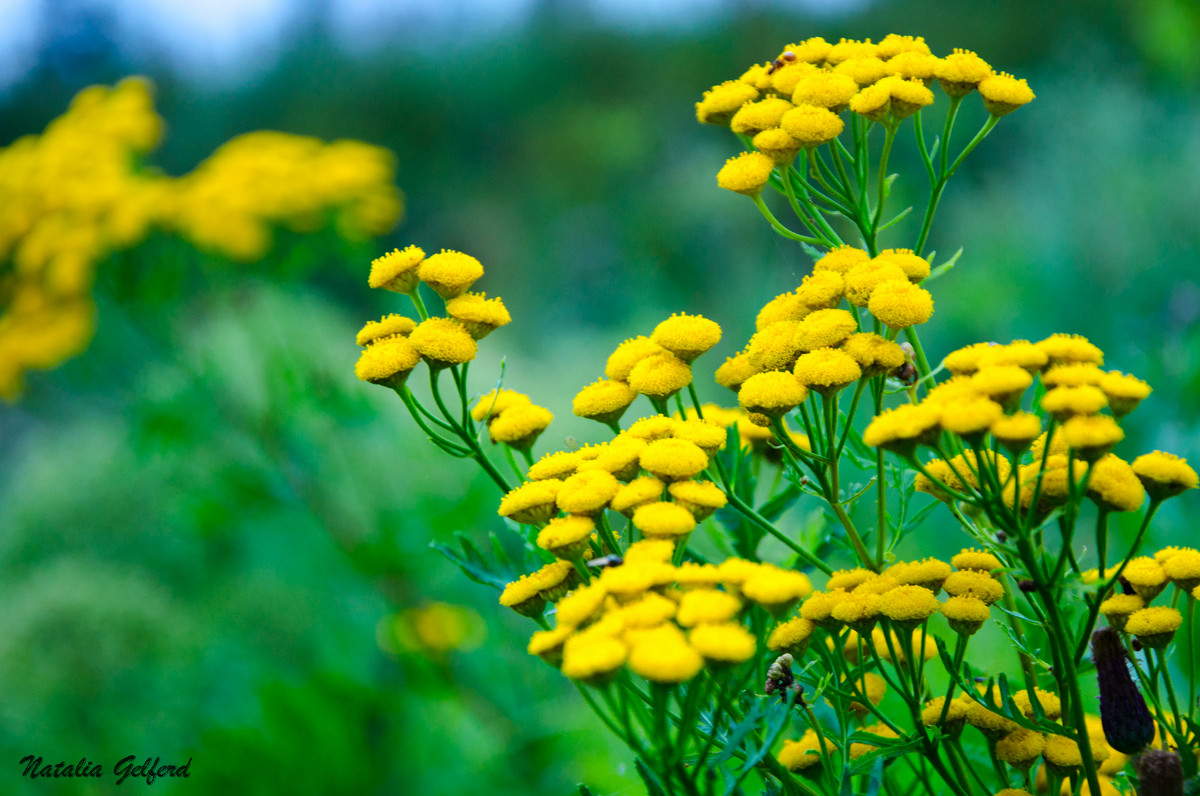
780 228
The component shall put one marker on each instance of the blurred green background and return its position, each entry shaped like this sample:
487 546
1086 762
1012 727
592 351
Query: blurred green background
205 518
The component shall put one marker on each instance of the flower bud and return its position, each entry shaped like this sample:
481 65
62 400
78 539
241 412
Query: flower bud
1127 723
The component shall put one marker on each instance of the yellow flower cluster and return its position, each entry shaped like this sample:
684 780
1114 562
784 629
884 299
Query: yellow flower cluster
1149 576
664 622
796 101
76 193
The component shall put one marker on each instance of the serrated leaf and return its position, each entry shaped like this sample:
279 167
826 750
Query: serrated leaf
888 748
738 734
473 570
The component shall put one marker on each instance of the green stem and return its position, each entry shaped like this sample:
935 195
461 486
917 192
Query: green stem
780 228
766 525
415 295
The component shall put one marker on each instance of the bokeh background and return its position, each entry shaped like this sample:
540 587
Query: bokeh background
215 542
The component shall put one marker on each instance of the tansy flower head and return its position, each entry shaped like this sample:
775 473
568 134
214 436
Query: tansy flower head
701 498
928 573
653 428
776 589
531 503
893 44
907 97
1021 353
1118 608
818 608
620 457
721 102
784 307
792 636
914 66
758 76
903 428
1090 437
443 342
804 753
848 578
863 71
746 173
784 80
754 117
725 643
965 361
773 394
567 537
873 102
1002 93
811 126
909 606
1050 704
860 611
1066 348
979 560
687 336
874 687
581 606
648 611
603 400
491 404
954 390
955 714
1020 748
841 260
1074 374
663 655
965 614
701 606
821 290
915 267
969 583
690 575
826 370
846 49
593 658
520 426
1061 754
1017 431
971 418
705 434
663 520
629 353
396 270
1124 392
387 362
824 329
1114 486
1164 474
735 370
587 493
554 465
548 644
449 272
1154 626
657 550
673 459
1183 569
385 327
862 279
873 353
660 376
1004 384
810 51
961 72
778 145
825 89
477 313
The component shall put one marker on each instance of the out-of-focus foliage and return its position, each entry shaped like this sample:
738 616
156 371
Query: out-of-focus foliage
204 517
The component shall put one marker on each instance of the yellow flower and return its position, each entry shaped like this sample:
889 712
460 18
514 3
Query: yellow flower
873 353
552 579
648 611
735 371
593 658
1075 374
914 266
663 655
965 361
1002 93
1155 626
811 126
637 493
803 754
735 571
1021 353
479 314
531 503
1058 446
1114 486
862 279
966 614
874 687
1164 474
567 537
971 418
553 465
1118 608
1091 436
914 66
848 578
873 102
603 400
721 102
1061 754
701 498
491 404
754 117
701 606
778 145
673 459
548 644
619 457
449 273
969 583
823 329
757 76
961 72
1183 569
663 521
903 428
1020 748
863 70
776 589
396 270
1004 384
520 426
784 307
657 550
991 724
792 636
907 97
811 51
581 606
443 342
385 327
628 354
841 260
826 370
746 173
928 573
846 49
825 89
820 290
1063 348
705 434
894 44
660 376
687 336
725 643
784 80
818 608
909 606
860 611
979 560
690 575
773 394
387 362
1124 392
586 493
653 428
1017 431
956 714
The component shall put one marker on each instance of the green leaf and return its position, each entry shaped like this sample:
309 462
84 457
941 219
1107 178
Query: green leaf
888 748
812 251
474 565
944 267
895 219
584 790
738 734
654 786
